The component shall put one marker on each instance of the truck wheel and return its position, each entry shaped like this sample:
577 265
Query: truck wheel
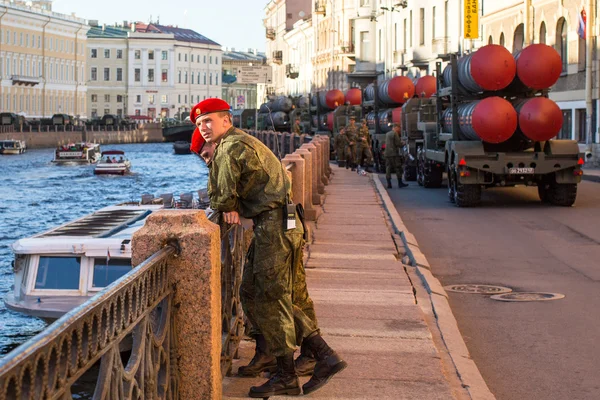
410 173
543 192
451 191
432 177
562 194
466 195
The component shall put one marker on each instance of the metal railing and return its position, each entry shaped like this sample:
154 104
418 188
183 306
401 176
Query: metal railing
133 313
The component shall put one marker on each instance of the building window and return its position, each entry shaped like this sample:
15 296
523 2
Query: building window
107 74
364 46
192 58
543 33
561 42
93 75
94 53
150 99
107 98
519 38
205 78
151 75
150 54
94 113
179 98
164 99
410 27
137 75
185 99
119 98
164 55
217 78
106 53
211 80
192 77
490 40
211 59
566 130
186 77
364 3
185 58
422 27
120 112
106 111
179 57
501 42
138 98
179 76
217 58
204 59
404 38
119 74
138 113
165 75
137 54
119 54
94 98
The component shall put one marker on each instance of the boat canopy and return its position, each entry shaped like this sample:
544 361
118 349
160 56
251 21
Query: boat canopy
111 152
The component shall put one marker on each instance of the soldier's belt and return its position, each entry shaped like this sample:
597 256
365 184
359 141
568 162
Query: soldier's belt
269 215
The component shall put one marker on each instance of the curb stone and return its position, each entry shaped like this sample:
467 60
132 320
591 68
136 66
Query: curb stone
465 367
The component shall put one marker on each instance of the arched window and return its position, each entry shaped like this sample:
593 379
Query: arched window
543 33
561 42
501 39
490 40
519 38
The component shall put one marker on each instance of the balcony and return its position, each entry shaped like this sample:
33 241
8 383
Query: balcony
291 71
25 80
277 57
270 33
347 48
441 45
320 7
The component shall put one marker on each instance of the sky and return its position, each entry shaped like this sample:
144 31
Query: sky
237 23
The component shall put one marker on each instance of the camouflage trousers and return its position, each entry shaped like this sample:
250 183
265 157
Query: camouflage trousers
273 292
364 152
394 164
340 153
350 154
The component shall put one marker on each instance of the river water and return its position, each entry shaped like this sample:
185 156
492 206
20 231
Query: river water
36 195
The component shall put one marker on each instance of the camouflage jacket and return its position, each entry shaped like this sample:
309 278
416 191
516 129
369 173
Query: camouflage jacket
393 145
245 176
363 133
296 129
352 134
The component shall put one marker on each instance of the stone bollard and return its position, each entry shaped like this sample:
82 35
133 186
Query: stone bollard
320 175
297 175
328 169
324 163
196 273
311 211
317 185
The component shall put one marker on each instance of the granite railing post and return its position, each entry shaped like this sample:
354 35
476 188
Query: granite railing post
318 187
298 173
196 275
327 158
315 148
292 147
322 146
310 211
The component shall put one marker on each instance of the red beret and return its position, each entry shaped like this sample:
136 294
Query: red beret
208 106
197 142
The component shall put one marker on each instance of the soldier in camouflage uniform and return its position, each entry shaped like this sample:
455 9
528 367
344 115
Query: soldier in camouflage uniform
352 134
363 149
247 179
394 156
296 128
339 144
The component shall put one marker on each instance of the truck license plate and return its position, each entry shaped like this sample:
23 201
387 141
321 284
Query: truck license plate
521 170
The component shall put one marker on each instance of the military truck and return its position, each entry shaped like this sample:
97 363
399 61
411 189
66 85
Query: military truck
483 136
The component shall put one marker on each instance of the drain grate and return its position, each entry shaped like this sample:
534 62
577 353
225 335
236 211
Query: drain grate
528 296
478 289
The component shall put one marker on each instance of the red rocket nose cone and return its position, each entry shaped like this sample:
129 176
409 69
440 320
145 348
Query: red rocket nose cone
493 67
539 66
540 119
494 120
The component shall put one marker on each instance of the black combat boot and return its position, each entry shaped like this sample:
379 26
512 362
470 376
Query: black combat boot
305 363
401 184
262 360
329 363
389 182
283 382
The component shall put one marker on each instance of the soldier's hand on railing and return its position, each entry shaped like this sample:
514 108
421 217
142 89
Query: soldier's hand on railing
232 217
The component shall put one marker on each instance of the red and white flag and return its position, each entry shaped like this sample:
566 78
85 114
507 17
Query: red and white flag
581 26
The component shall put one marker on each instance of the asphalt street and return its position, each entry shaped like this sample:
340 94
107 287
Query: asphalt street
525 350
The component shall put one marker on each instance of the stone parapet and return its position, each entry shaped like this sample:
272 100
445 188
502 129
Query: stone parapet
196 276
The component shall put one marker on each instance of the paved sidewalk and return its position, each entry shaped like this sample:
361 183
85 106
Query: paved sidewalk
365 304
591 174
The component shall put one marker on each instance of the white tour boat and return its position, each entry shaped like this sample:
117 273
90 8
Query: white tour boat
77 153
61 268
12 146
112 162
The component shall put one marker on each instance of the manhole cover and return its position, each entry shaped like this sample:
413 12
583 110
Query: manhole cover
527 296
478 289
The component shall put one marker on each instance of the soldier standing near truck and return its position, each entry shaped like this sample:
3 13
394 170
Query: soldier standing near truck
340 142
394 157
363 150
352 134
296 128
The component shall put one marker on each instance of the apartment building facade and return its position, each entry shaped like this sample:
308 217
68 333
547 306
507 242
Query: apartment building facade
42 60
242 95
150 71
